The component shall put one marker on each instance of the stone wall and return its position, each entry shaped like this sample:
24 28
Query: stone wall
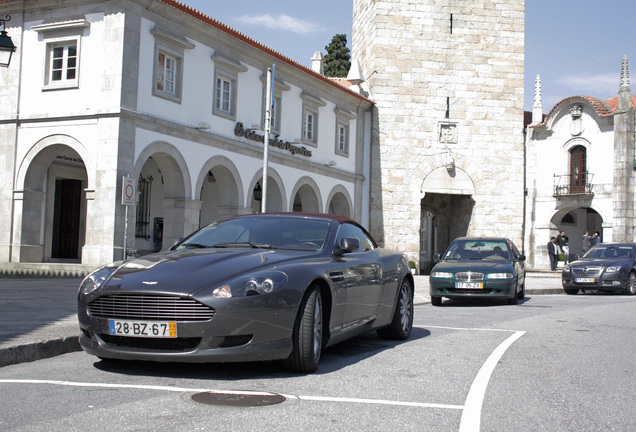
447 79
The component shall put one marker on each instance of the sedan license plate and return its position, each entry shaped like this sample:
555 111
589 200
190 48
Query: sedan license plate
469 285
584 280
148 329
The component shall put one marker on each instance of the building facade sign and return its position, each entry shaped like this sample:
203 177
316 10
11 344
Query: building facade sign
250 134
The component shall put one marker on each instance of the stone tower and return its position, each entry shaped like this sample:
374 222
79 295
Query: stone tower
447 148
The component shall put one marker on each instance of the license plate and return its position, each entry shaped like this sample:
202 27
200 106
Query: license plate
149 329
470 285
584 280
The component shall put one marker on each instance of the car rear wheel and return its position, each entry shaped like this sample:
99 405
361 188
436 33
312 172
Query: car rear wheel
571 291
402 323
436 301
307 334
631 284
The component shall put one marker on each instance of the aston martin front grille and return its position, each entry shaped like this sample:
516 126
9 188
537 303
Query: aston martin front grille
469 276
152 307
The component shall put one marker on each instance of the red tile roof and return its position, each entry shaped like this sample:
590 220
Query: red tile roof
246 39
605 108
182 7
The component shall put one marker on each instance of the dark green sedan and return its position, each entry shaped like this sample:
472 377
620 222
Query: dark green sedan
476 267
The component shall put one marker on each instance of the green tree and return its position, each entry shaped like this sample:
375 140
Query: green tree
338 58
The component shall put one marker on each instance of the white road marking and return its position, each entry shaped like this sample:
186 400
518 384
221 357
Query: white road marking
234 392
471 415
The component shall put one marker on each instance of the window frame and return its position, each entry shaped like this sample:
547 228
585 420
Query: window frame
311 107
64 82
343 121
226 70
171 46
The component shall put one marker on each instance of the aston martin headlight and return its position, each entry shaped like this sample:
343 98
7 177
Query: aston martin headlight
500 276
613 269
254 284
441 275
95 280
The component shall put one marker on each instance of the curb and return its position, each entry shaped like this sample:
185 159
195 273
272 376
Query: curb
38 350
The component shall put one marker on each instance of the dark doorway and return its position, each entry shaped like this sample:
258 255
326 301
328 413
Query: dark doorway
66 219
444 217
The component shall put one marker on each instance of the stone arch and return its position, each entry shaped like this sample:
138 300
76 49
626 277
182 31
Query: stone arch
306 194
463 169
172 164
219 187
275 192
339 202
576 141
45 146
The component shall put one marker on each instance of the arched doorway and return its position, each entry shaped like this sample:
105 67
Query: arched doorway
339 204
165 211
306 200
219 195
274 194
52 209
576 222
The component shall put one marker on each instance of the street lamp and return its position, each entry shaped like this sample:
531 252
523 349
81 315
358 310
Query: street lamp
7 48
258 192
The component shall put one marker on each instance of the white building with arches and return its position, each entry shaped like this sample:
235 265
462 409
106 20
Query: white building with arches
580 171
160 93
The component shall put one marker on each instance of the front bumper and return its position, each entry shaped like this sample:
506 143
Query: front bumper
242 329
604 282
500 288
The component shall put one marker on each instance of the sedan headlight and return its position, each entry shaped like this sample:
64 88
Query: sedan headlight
254 284
500 276
95 280
566 268
613 269
441 275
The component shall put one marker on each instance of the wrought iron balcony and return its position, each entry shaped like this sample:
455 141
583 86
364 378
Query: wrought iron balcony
573 184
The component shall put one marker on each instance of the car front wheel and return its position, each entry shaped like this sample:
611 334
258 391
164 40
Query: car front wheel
307 335
631 284
571 291
436 301
402 323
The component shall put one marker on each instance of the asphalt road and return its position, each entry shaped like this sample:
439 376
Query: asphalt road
554 363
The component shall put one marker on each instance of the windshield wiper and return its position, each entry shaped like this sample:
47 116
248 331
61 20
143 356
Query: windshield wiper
194 245
243 244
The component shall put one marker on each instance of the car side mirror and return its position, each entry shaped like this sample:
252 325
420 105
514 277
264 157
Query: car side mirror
348 245
437 257
521 258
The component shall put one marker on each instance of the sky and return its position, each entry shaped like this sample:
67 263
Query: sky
576 46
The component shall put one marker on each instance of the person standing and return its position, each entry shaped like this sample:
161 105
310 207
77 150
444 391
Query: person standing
587 242
552 253
597 238
564 243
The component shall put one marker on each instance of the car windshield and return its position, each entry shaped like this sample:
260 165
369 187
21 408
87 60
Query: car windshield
603 251
478 250
261 232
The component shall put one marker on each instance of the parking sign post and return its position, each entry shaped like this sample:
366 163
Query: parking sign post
128 194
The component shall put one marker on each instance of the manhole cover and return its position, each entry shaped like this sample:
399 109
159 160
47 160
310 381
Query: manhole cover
238 399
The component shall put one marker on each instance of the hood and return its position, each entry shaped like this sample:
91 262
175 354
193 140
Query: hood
483 266
601 262
185 271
